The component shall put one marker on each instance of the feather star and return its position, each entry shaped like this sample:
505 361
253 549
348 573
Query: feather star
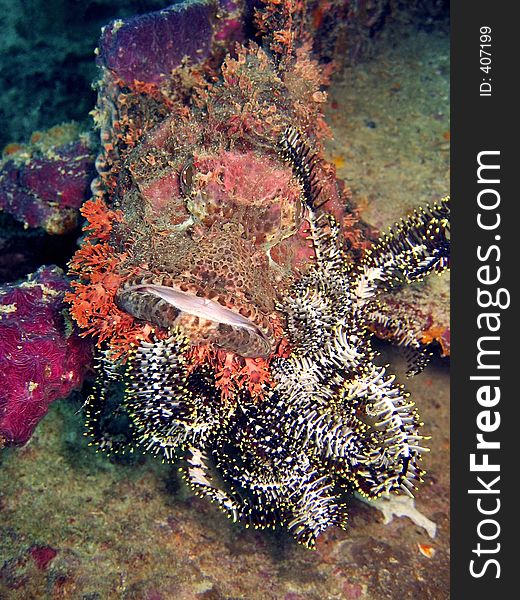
331 421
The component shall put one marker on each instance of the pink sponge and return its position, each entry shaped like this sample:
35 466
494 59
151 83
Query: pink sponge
42 358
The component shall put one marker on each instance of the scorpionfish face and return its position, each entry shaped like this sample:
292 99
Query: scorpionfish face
212 234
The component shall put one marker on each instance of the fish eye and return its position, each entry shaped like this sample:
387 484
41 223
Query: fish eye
186 177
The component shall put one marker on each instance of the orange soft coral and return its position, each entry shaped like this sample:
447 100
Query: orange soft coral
100 219
233 374
92 300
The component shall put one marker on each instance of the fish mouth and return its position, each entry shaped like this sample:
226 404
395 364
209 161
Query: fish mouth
202 319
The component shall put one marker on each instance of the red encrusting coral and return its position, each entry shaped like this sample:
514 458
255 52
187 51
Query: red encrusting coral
42 357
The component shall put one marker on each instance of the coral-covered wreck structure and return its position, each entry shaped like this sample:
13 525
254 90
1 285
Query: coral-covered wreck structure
226 278
231 286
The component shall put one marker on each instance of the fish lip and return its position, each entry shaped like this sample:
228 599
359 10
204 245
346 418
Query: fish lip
197 305
200 306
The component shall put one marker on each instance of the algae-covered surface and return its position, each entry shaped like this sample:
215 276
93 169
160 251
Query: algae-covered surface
391 126
75 524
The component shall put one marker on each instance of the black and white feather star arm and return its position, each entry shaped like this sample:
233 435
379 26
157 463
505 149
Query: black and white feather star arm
156 394
170 407
295 150
317 427
203 481
324 229
314 504
398 326
152 401
363 427
256 475
413 248
394 444
310 311
280 485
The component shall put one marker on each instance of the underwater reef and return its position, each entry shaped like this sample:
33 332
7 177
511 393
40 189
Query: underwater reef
44 183
225 274
231 287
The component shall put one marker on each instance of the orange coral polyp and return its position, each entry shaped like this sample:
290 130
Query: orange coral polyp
100 218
